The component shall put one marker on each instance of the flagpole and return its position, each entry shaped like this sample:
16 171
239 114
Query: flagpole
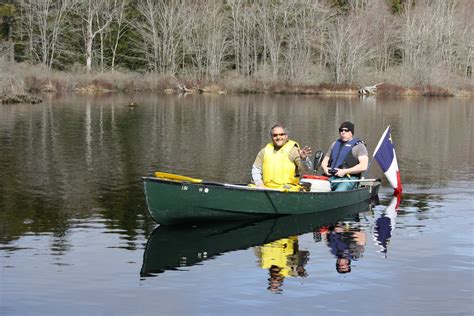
375 151
367 171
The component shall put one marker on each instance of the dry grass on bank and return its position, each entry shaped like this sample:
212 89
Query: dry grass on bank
18 79
21 78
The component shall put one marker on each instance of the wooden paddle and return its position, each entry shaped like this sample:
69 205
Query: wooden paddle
176 177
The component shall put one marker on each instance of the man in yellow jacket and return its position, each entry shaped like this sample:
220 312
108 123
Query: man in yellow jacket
280 162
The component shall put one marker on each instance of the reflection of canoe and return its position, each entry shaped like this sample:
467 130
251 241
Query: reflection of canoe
171 247
172 202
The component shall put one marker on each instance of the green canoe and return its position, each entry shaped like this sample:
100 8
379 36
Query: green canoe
173 202
174 247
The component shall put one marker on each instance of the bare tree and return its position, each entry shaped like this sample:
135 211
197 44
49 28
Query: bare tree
119 18
431 38
163 26
274 24
465 38
306 22
43 21
348 47
120 29
207 43
148 29
246 36
382 31
92 11
217 41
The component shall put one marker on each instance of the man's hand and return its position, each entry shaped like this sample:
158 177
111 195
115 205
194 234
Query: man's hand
341 172
305 152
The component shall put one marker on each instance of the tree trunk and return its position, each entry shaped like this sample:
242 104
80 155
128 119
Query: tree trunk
89 41
10 40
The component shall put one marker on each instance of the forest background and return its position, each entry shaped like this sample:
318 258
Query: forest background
420 47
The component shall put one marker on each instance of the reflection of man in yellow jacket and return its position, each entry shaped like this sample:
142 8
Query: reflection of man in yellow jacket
279 162
282 258
278 253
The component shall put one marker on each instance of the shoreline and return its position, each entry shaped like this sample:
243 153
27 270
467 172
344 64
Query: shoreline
35 98
254 87
28 88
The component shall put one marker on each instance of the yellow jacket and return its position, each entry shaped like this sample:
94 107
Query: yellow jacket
278 169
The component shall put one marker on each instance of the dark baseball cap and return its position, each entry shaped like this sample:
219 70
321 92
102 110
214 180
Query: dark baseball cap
348 125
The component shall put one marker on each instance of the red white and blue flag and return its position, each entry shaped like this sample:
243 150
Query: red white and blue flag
384 153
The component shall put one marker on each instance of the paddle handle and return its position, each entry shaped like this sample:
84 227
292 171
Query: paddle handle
176 177
355 180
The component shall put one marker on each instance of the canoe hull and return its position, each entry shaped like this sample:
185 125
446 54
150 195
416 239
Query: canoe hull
171 202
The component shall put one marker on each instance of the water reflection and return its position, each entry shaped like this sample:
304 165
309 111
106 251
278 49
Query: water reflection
346 243
385 224
282 258
171 248
72 208
79 157
69 159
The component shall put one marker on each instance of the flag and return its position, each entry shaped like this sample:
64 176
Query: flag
384 153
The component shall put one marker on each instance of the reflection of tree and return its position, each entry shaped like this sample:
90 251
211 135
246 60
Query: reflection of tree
282 258
419 204
23 213
422 162
64 162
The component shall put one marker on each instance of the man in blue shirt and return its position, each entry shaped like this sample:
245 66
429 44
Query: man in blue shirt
346 159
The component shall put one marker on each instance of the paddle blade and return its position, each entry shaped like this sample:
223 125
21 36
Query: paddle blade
176 177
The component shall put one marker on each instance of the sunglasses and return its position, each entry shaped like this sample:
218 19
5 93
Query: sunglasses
276 135
345 130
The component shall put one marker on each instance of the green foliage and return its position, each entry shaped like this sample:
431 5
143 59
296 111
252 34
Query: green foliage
7 10
397 5
7 15
341 4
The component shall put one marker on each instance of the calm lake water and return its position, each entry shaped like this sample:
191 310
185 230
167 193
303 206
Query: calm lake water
76 238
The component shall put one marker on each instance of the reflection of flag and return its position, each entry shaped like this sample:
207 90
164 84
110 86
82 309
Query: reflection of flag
385 224
384 153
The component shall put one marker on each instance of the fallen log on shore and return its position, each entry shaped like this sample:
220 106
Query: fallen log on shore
369 90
